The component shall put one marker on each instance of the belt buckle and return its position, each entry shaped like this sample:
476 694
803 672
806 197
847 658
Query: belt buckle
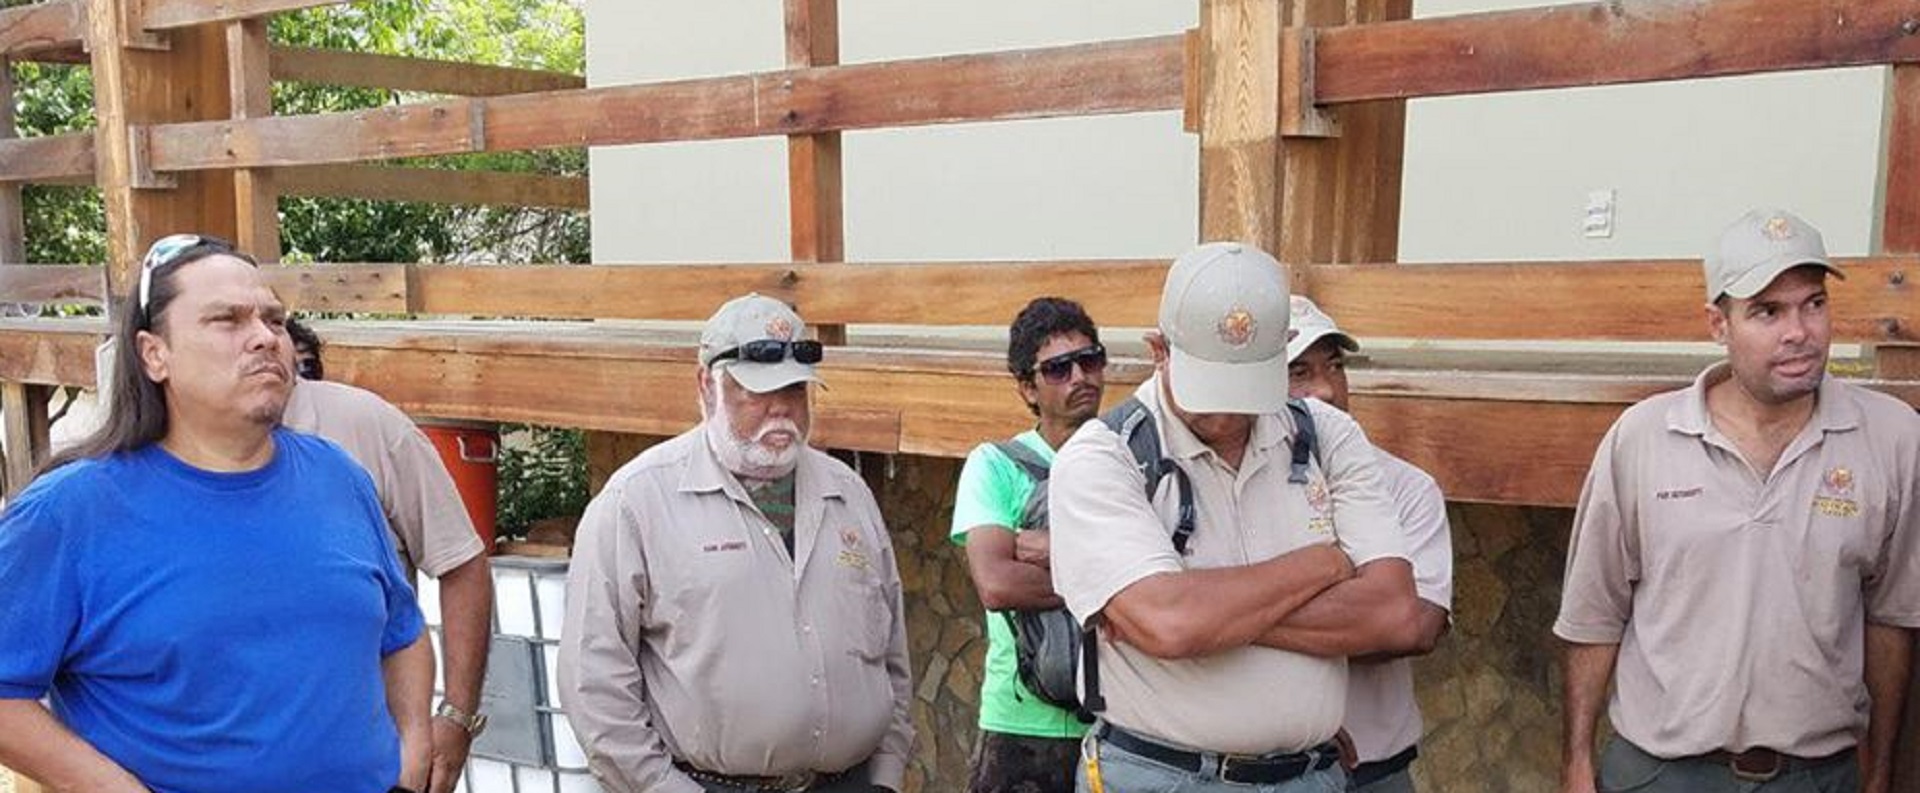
1227 764
1747 771
797 782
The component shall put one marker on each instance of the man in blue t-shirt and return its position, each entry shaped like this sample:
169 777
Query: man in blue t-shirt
209 603
1058 365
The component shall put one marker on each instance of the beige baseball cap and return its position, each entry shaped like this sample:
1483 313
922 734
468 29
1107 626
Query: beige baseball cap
1757 248
1224 314
1310 325
751 318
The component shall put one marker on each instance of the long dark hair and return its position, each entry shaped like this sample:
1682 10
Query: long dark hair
137 410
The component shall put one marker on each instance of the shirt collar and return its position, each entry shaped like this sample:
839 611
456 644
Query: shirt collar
705 474
1832 410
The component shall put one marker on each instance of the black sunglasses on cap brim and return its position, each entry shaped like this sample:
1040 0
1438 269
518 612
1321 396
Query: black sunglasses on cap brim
1056 370
804 351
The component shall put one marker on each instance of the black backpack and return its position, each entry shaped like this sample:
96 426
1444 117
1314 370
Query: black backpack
1047 642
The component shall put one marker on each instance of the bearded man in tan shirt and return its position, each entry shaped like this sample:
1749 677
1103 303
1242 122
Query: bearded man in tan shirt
733 619
1745 562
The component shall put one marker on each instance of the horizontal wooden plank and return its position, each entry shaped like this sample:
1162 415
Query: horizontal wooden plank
1507 437
1084 79
373 70
433 185
373 288
1619 301
166 14
41 27
414 130
1606 43
933 294
52 283
47 158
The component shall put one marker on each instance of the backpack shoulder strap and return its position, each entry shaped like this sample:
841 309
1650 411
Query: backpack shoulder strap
1134 424
1025 457
1306 441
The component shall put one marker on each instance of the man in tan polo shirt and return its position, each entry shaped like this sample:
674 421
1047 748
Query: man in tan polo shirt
428 523
734 620
1223 668
1383 719
1745 562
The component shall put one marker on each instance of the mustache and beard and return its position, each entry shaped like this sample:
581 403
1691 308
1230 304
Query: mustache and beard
752 457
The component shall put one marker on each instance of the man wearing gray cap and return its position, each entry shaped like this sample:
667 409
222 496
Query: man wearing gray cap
1221 652
1383 719
1745 561
733 619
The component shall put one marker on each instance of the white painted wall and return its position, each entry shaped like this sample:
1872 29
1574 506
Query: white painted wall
1487 178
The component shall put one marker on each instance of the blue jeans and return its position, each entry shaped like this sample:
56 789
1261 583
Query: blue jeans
1124 772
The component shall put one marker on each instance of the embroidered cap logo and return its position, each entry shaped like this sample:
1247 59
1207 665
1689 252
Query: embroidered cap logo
1237 328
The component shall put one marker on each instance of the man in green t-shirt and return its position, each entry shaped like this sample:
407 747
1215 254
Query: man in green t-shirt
1058 365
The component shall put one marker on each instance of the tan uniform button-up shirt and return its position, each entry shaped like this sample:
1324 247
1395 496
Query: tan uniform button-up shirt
1383 717
1107 535
692 634
1738 602
425 515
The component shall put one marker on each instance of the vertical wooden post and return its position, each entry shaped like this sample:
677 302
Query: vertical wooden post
818 227
1900 233
13 225
133 86
1369 159
24 410
1239 59
250 87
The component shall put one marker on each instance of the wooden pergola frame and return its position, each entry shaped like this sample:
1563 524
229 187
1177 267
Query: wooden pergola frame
1296 104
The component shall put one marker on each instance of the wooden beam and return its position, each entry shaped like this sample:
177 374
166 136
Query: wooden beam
250 92
1116 292
370 288
1369 163
1607 43
450 127
170 14
1087 79
51 283
372 70
1878 301
13 220
47 158
133 89
24 409
815 211
1309 164
1896 361
434 185
42 26
1900 166
1240 122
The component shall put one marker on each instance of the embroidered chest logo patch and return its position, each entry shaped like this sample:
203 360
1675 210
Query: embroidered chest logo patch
1835 499
1321 502
851 555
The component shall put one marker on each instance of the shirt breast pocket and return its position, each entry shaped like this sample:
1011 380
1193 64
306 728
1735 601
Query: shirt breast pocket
867 612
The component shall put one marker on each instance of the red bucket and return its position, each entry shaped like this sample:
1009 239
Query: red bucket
471 452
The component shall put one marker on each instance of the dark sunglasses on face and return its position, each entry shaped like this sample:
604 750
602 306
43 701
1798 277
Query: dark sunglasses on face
774 351
1059 368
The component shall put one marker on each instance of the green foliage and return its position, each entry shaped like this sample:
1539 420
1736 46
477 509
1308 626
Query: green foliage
543 474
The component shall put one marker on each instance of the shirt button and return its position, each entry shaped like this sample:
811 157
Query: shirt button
816 733
806 629
816 680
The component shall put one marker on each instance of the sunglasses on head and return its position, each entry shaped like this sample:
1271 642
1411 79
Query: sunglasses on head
166 251
1059 368
774 351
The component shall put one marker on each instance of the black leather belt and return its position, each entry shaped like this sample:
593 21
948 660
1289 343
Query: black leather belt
797 782
1366 774
1270 769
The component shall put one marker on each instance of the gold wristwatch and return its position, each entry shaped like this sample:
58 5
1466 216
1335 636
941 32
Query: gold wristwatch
473 723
